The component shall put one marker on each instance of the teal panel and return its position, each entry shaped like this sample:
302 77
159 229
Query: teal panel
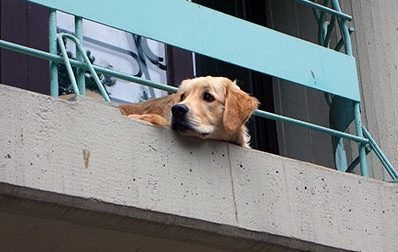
199 29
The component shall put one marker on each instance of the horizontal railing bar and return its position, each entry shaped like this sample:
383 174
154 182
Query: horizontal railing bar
58 59
131 78
326 130
325 9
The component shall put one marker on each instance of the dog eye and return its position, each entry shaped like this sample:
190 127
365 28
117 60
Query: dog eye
182 97
208 97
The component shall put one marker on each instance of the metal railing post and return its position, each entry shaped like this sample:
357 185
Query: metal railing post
80 72
361 146
357 107
52 44
344 29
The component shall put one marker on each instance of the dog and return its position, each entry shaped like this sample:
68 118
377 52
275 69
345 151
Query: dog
205 107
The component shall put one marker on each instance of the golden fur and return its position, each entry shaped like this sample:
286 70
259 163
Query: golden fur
216 109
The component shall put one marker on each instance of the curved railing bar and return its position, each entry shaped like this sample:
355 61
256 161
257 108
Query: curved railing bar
379 153
330 27
325 9
72 78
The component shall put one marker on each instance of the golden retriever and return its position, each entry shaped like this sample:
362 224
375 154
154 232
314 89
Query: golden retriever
206 107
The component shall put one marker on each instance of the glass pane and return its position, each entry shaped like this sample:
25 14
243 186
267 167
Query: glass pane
121 51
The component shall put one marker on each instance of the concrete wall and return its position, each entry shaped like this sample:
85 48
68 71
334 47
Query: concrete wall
84 163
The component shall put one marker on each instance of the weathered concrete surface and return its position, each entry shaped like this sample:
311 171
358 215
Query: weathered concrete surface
82 161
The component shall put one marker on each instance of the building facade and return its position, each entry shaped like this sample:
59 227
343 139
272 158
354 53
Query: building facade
131 187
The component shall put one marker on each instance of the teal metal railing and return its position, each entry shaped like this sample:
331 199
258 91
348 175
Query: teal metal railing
344 117
307 63
324 33
83 58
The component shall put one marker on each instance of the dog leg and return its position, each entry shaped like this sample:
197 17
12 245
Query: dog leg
151 118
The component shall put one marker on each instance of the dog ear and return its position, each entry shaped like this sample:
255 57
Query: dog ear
238 107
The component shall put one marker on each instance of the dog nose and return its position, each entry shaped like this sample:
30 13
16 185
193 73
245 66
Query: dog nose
179 110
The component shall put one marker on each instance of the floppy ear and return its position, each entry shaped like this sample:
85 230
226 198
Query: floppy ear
238 107
185 83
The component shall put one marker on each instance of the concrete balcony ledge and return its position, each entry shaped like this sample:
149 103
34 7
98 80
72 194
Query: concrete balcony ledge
90 179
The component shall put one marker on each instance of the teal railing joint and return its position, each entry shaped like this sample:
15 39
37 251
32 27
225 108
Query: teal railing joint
86 61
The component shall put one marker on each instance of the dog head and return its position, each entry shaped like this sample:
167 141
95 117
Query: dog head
213 107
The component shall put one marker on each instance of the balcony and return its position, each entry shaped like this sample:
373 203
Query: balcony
76 170
80 173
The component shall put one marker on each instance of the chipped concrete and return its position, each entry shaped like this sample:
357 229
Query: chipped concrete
83 162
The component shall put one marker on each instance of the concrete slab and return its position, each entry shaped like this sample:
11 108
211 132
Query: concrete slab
87 149
83 162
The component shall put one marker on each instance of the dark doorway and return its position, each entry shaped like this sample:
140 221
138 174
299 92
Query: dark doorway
181 64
